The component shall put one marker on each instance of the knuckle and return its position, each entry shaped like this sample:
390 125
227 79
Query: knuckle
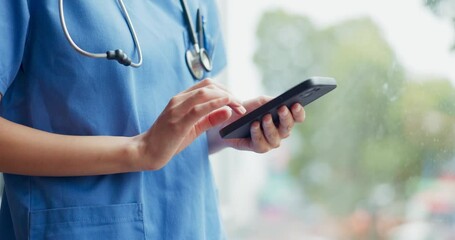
206 82
277 144
173 113
285 128
212 85
194 110
174 125
262 149
172 101
214 104
285 135
291 124
203 93
287 122
258 138
155 166
258 149
198 129
257 132
270 136
274 143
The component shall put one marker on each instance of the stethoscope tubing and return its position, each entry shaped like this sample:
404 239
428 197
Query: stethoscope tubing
102 55
197 58
193 37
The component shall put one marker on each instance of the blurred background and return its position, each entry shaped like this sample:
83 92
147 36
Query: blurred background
375 159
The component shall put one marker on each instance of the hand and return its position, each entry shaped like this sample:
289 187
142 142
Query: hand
262 139
187 115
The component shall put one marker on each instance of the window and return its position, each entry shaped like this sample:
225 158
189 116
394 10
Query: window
375 159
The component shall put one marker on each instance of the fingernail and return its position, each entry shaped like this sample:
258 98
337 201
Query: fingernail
242 109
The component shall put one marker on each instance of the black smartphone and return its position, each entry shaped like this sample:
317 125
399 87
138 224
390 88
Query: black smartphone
303 93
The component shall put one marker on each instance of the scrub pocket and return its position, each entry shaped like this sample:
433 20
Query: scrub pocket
209 44
122 221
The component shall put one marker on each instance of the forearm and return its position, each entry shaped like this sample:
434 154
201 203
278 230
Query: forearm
28 151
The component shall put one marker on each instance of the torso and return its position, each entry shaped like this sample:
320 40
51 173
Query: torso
60 91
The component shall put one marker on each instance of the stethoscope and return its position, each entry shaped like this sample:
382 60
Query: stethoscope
197 58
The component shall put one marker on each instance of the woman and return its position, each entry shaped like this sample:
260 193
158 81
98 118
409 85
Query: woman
91 149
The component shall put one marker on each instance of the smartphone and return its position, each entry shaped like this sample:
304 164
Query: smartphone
303 93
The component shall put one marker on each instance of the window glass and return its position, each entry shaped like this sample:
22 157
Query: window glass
375 158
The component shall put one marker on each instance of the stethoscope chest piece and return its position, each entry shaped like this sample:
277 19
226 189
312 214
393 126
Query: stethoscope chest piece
197 58
194 64
205 60
198 62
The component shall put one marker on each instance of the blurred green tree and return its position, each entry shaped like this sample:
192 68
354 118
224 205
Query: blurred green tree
369 131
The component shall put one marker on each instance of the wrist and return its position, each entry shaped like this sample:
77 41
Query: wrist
144 158
130 153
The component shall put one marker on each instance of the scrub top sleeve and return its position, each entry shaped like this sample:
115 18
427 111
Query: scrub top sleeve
14 18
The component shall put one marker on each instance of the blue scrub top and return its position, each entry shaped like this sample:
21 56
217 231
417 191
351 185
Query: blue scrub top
47 85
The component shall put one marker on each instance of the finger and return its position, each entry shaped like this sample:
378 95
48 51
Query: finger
298 112
212 119
240 109
270 131
201 95
207 83
209 121
256 102
201 110
190 99
258 142
204 83
286 122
